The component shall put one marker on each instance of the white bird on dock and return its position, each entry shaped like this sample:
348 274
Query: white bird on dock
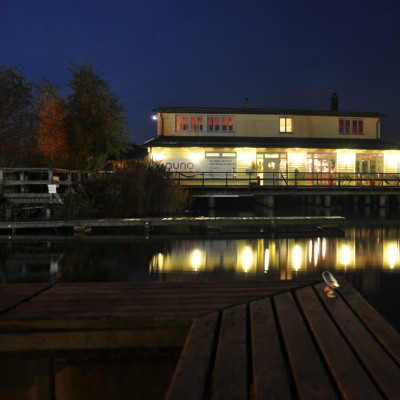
331 284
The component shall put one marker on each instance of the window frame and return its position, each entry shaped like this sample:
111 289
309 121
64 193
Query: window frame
211 128
347 124
198 127
286 128
377 158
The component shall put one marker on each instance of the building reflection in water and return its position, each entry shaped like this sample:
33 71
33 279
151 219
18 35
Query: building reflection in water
29 262
283 258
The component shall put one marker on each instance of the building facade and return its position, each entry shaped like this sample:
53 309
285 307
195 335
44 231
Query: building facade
280 147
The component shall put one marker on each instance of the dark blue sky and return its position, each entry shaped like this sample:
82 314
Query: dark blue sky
279 54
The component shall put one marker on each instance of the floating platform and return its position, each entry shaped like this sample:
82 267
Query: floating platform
148 226
192 340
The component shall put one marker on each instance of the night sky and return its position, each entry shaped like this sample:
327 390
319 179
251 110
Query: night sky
279 54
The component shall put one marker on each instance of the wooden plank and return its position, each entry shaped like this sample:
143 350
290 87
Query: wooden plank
12 295
382 368
311 378
124 299
289 223
134 287
270 377
191 374
350 376
381 329
229 378
92 339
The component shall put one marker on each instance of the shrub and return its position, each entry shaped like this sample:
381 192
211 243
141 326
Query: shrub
137 189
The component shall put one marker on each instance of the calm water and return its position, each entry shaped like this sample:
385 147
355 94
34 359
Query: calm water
369 256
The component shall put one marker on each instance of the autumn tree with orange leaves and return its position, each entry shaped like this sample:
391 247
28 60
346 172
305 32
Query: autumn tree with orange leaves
50 131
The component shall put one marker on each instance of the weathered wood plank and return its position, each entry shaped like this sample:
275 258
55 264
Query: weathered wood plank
191 374
92 339
270 377
349 374
382 368
65 313
12 295
311 379
229 378
286 223
382 330
119 300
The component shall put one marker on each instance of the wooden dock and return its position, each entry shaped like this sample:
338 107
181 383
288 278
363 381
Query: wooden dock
240 340
148 226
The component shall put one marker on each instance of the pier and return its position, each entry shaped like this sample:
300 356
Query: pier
149 226
194 340
41 188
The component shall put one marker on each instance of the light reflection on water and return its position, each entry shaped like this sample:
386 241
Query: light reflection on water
369 257
284 258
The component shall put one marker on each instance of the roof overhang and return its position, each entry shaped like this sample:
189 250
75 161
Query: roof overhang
269 142
266 111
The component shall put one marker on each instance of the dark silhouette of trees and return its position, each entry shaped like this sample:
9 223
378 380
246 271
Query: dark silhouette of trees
97 122
16 118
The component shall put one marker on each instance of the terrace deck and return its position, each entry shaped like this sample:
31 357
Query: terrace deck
246 339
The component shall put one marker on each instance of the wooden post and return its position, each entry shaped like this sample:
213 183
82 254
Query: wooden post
22 178
328 201
147 229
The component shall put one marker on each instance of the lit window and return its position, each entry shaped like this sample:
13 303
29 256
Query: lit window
211 154
189 123
221 124
285 125
351 127
220 154
228 154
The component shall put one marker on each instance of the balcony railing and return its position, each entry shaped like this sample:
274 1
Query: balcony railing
290 179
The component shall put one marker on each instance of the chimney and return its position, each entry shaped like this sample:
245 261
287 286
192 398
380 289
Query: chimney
246 103
334 102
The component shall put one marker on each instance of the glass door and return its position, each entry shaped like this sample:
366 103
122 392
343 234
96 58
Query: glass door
321 168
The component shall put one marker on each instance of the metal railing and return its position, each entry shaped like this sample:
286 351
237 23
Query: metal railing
286 179
38 185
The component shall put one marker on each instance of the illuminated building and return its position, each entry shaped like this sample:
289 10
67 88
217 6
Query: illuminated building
276 144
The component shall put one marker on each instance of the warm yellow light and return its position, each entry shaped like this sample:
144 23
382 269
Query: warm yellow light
297 158
275 155
196 259
345 255
392 255
157 263
266 260
247 157
391 159
158 156
285 124
346 159
195 156
297 253
247 258
316 251
288 124
324 248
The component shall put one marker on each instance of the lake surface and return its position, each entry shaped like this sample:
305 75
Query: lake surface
368 256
